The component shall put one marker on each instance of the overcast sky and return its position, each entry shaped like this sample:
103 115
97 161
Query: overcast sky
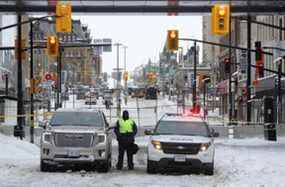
144 35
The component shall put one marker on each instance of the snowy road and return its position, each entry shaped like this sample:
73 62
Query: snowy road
248 162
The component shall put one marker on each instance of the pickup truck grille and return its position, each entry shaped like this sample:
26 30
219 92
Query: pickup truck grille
180 148
73 139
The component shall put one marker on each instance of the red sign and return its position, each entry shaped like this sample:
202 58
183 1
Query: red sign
48 77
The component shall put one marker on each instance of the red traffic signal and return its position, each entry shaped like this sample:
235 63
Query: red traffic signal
227 65
48 76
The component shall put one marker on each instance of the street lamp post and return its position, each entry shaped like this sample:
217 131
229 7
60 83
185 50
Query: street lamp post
125 71
118 80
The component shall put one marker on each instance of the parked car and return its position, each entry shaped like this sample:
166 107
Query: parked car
139 93
151 93
180 141
76 137
91 98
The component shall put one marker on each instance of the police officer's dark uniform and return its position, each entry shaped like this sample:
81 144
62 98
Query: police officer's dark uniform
125 130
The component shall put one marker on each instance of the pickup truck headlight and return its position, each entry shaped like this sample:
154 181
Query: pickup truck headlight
47 137
156 144
205 146
101 138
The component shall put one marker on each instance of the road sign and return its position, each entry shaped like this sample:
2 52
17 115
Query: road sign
48 76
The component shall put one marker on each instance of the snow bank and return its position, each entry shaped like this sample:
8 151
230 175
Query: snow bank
12 148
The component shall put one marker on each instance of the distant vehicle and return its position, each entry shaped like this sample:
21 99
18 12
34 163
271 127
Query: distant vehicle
81 91
181 141
90 100
151 93
139 93
75 138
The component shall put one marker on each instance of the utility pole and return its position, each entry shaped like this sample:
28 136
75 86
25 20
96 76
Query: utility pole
118 81
248 82
20 101
195 76
32 79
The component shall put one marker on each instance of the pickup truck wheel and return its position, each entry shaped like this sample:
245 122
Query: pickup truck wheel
151 167
104 166
44 166
209 169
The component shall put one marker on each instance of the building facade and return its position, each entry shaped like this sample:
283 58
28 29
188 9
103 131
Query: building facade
268 37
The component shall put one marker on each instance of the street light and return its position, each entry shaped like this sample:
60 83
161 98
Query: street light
118 80
125 74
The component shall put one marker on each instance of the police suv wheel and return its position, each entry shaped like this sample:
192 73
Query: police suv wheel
151 167
44 166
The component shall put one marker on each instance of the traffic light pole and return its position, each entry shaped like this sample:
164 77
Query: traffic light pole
20 101
32 86
230 74
248 81
194 99
279 104
58 99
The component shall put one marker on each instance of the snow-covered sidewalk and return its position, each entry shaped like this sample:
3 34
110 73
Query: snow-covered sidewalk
246 162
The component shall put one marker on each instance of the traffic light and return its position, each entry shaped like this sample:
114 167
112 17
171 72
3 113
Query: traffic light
259 58
172 40
221 19
52 46
126 76
63 18
227 65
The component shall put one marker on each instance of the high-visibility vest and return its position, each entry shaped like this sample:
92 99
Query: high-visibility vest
126 126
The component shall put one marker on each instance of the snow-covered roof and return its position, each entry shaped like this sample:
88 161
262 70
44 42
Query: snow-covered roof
182 118
77 110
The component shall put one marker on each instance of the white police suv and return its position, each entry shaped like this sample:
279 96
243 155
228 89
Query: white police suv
180 141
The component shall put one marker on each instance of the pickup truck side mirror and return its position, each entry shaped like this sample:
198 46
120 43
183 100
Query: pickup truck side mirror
43 124
148 132
110 128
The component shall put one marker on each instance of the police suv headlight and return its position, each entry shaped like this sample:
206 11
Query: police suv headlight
156 144
205 146
47 137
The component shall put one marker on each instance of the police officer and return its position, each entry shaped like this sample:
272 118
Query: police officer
125 130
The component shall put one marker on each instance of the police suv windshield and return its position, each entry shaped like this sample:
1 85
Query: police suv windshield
182 128
77 119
